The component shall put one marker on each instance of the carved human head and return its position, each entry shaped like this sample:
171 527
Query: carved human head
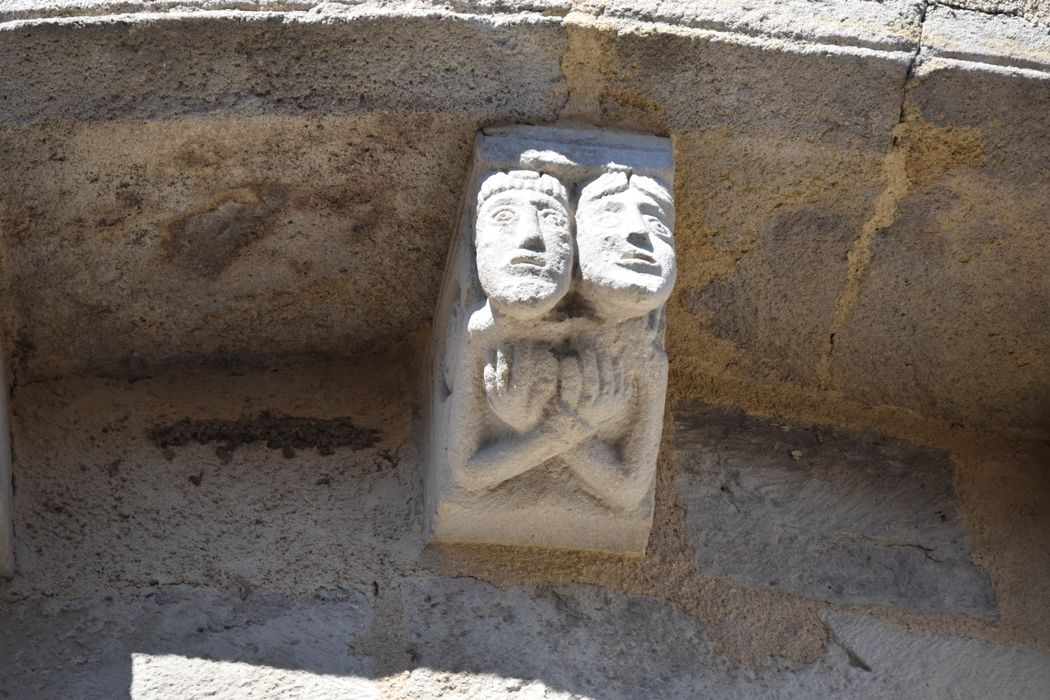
625 241
523 242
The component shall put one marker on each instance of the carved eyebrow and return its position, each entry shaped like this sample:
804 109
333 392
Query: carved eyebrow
538 199
652 205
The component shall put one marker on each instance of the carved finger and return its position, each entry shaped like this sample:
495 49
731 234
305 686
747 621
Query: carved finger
518 365
544 373
606 377
503 364
618 377
589 369
570 382
490 377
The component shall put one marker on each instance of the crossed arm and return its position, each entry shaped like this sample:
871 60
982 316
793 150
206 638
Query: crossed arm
555 407
622 477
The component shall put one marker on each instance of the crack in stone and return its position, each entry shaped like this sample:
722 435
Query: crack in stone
851 656
854 537
1014 12
859 255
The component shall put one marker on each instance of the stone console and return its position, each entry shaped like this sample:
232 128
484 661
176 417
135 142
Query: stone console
549 371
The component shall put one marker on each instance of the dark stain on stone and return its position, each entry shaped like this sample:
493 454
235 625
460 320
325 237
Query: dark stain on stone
278 431
354 203
24 349
18 219
207 242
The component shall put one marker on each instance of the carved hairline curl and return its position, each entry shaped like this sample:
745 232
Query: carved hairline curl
608 184
516 180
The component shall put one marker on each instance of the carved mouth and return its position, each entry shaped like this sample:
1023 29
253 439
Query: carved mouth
637 260
639 255
530 260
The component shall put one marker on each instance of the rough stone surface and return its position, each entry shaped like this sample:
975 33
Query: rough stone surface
462 639
470 640
187 642
236 568
843 517
235 257
257 64
903 664
761 274
996 39
860 191
91 482
951 315
788 181
7 535
1036 10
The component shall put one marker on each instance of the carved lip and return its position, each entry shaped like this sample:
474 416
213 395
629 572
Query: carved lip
530 259
637 260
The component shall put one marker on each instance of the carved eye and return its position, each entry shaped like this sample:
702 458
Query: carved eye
553 217
657 226
503 215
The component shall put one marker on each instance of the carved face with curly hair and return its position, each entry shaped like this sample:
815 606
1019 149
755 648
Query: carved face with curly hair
523 242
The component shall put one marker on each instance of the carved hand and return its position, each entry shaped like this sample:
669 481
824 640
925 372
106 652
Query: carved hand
594 387
520 381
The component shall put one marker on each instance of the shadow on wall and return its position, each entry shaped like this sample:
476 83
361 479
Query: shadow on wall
461 638
166 557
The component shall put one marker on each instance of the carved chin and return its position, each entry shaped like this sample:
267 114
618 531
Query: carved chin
525 296
627 293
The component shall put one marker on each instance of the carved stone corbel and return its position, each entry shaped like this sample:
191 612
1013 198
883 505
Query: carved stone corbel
548 365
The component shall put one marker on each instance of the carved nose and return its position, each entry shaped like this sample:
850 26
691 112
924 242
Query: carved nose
640 239
529 236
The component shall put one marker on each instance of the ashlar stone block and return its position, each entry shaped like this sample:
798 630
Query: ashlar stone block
856 518
548 364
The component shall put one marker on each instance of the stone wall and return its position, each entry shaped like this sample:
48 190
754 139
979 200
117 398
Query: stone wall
222 220
862 185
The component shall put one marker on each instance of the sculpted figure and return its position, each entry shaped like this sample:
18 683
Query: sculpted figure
523 244
627 270
551 375
563 386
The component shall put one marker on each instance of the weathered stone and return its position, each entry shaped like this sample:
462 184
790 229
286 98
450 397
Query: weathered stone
191 242
462 638
187 642
407 61
7 535
549 374
234 204
845 517
861 195
469 639
102 502
890 25
951 317
896 663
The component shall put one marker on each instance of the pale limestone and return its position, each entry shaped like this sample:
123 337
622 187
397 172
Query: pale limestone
549 374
